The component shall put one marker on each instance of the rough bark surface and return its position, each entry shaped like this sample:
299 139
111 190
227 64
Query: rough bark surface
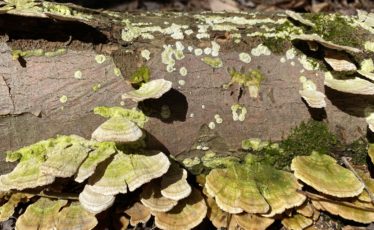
30 89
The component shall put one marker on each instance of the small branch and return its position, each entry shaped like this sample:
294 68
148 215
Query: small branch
55 195
347 164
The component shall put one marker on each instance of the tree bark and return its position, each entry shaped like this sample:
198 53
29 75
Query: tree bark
31 87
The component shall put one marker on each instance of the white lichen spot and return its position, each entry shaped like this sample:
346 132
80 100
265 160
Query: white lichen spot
203 106
207 51
369 46
165 112
238 112
78 74
199 147
146 54
183 71
188 32
202 31
192 115
122 103
308 64
292 63
245 57
212 125
190 48
169 53
237 41
117 71
260 50
205 148
215 49
291 54
198 52
218 119
100 58
182 82
63 99
283 60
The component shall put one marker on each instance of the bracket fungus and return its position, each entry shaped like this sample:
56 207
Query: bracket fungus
355 85
40 215
217 216
309 93
189 213
297 222
75 216
64 161
101 152
152 89
152 198
117 129
94 202
235 190
129 171
133 114
339 61
322 172
252 221
298 17
174 183
7 208
138 214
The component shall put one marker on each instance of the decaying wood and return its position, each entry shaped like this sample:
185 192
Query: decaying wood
31 87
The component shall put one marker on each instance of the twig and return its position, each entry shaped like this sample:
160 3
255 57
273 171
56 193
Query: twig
347 164
54 195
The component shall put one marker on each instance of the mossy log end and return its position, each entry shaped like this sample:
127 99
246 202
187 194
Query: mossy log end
51 78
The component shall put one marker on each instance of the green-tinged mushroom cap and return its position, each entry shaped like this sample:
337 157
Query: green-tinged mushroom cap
64 161
131 114
355 85
251 221
174 183
297 222
117 129
152 198
95 202
218 217
40 215
151 89
306 209
369 182
355 210
7 209
371 152
138 214
129 171
189 213
235 190
28 173
339 61
75 217
324 174
101 152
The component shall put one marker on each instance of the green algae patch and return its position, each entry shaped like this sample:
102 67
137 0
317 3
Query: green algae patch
213 62
37 53
251 79
132 114
141 75
336 28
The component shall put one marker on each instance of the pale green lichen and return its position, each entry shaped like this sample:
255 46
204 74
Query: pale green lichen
367 65
291 54
207 51
212 125
215 49
100 58
78 74
96 87
218 119
251 79
141 75
245 57
182 82
260 50
198 52
369 46
146 54
63 99
308 63
132 114
117 71
213 62
183 71
169 53
238 112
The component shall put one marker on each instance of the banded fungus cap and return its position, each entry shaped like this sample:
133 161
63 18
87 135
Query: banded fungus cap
252 221
309 93
355 210
218 217
298 17
174 183
94 202
75 216
322 172
7 209
130 171
355 85
235 190
138 214
152 89
188 214
117 129
306 209
152 198
368 75
339 61
369 182
40 215
297 221
101 152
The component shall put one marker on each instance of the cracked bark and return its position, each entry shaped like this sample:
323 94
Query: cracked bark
30 91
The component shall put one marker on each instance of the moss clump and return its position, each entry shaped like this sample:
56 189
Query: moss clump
308 137
335 28
141 75
276 45
357 150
